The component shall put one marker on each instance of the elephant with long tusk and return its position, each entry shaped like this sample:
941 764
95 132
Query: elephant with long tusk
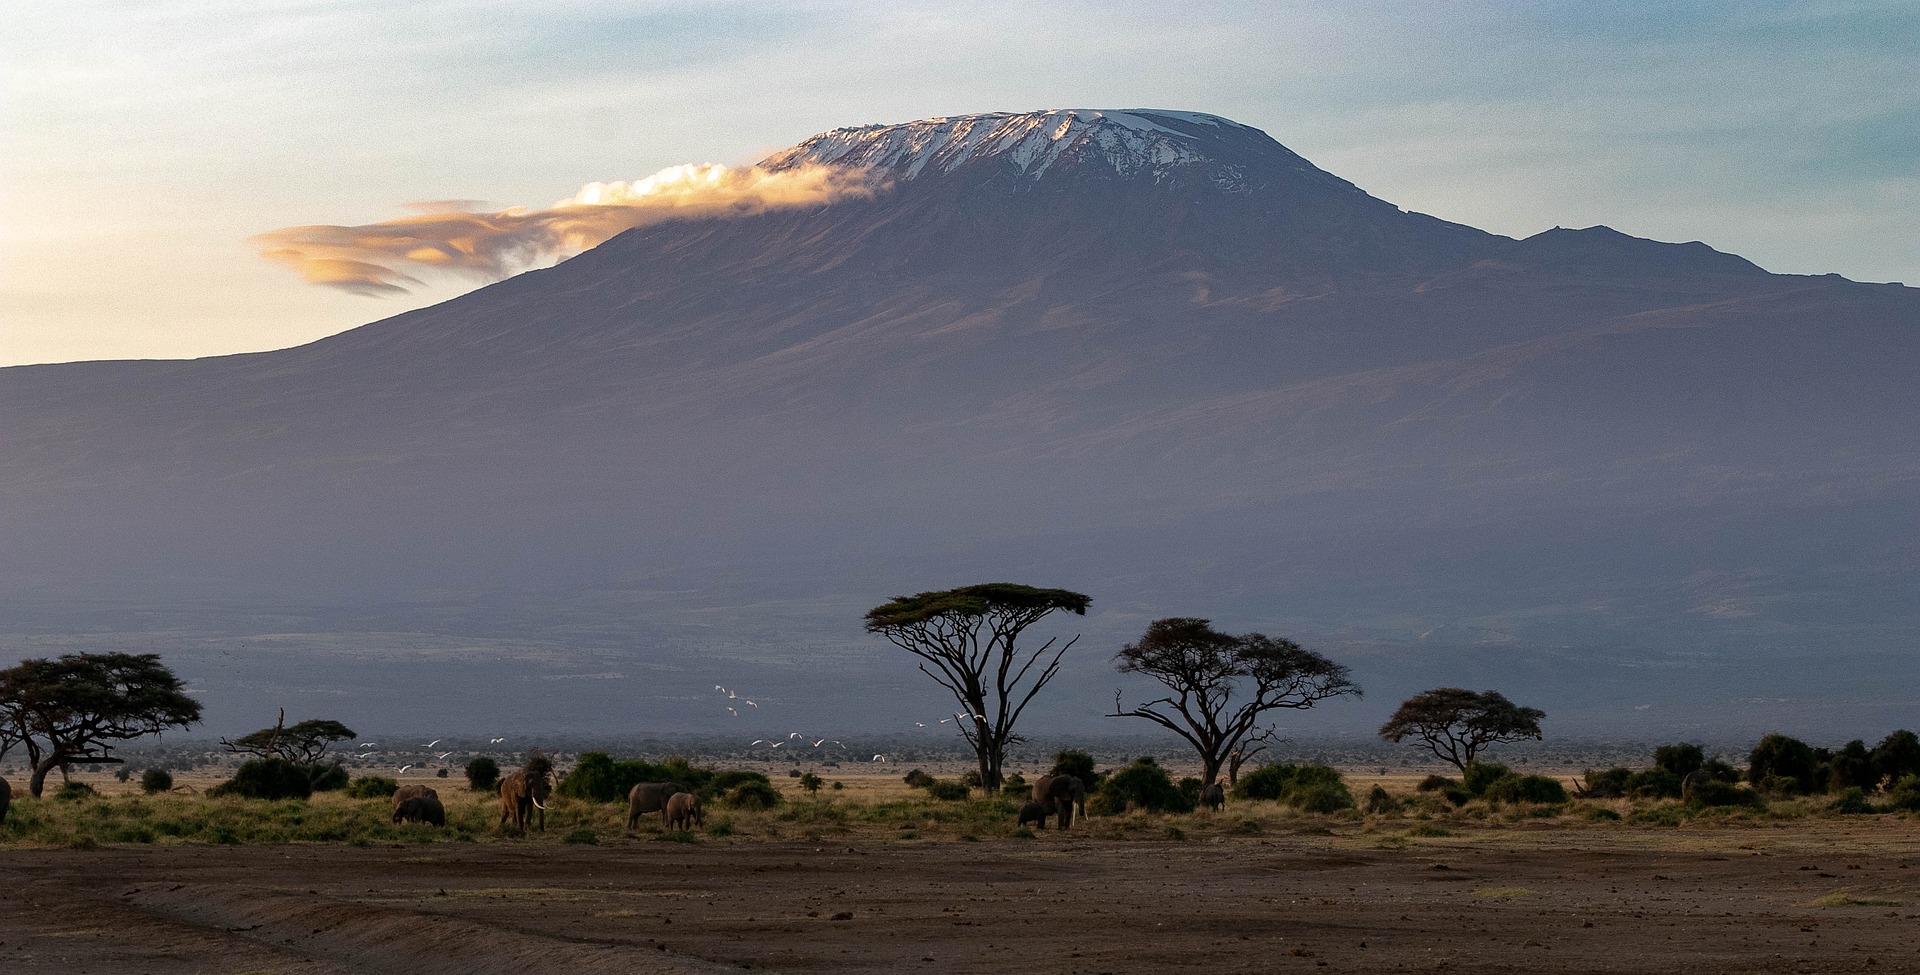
521 793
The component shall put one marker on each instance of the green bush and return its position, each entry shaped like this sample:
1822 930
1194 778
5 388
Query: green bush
918 779
327 778
1190 787
812 783
1536 789
948 791
156 780
1266 782
1379 800
1601 814
727 781
971 778
1654 783
598 778
1679 759
1852 768
74 792
1777 756
371 787
753 795
1141 785
1897 756
1852 801
1014 780
1437 783
1479 775
1715 793
483 774
1904 794
1320 797
1610 784
1313 788
267 778
1074 762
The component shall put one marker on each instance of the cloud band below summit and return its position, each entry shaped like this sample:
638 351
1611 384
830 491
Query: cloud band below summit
385 258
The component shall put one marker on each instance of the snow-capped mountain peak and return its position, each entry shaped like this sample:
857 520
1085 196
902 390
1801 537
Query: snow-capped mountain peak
1154 144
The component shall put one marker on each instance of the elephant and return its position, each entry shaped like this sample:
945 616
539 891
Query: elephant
683 811
1061 794
1690 785
406 792
646 797
1213 797
420 809
521 794
1033 812
6 799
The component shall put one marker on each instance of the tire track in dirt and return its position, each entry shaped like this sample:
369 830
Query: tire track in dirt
394 940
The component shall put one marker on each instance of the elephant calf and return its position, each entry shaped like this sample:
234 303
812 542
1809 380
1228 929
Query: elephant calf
646 797
1213 797
420 809
683 811
1035 813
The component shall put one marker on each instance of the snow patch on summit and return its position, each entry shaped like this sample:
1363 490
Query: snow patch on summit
1132 142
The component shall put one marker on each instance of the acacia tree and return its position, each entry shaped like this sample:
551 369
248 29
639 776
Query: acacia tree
1455 724
302 744
1220 685
966 641
73 708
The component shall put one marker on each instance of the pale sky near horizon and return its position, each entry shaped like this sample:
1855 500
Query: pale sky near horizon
143 142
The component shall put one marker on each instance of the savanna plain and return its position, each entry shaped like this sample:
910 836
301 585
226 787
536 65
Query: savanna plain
874 876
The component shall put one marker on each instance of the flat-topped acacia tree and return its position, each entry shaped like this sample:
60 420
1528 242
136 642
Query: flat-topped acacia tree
966 640
1455 723
73 708
1220 684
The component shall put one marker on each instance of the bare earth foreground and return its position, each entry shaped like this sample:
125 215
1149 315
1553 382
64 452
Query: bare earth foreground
1821 896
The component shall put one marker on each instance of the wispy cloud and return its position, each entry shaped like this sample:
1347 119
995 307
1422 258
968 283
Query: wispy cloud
452 237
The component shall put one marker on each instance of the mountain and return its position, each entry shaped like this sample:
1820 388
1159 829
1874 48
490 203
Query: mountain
1154 356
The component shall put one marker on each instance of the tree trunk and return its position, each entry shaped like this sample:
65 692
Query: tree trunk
1209 770
38 783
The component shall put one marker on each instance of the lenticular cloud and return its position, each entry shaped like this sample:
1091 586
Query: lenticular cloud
450 237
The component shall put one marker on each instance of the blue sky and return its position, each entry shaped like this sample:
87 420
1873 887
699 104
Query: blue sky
143 143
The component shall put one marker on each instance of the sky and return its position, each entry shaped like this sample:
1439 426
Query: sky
146 145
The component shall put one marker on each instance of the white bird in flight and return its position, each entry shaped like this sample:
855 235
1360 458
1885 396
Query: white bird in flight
752 705
733 712
795 735
403 768
442 755
877 758
368 744
760 741
495 741
432 743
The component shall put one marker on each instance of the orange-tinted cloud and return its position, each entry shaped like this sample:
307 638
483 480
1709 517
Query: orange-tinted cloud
448 237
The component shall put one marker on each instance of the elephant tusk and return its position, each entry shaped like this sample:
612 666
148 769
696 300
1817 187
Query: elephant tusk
536 803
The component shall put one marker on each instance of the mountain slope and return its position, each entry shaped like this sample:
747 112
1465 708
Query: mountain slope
1152 355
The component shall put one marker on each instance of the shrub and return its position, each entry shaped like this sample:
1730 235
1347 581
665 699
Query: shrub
326 778
156 780
1142 785
1379 800
1266 782
1601 814
727 781
267 778
948 791
483 774
1904 794
1190 788
838 785
1440 783
753 795
1852 801
583 835
1778 756
971 778
1897 756
1527 788
1679 759
1320 797
793 773
811 783
1717 793
1074 762
1654 783
123 773
1479 775
918 779
1013 780
74 792
596 776
1852 768
1610 784
372 787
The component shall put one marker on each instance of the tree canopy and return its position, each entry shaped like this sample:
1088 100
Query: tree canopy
74 707
302 744
1455 724
966 640
1220 684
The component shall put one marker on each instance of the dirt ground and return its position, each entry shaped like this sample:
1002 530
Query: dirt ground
1833 895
